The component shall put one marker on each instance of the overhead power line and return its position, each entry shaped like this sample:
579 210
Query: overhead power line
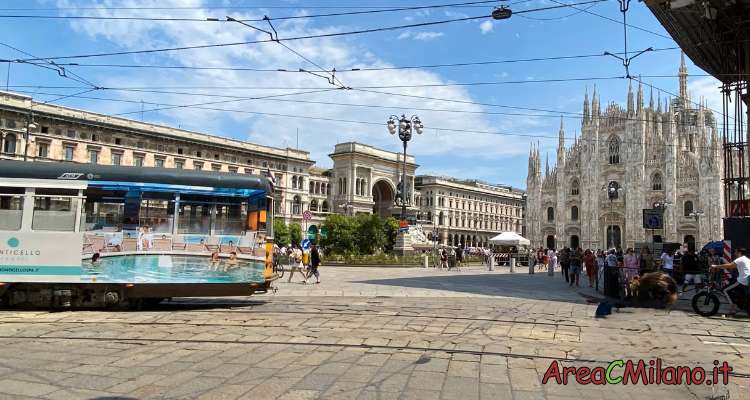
214 19
381 124
221 7
348 70
303 37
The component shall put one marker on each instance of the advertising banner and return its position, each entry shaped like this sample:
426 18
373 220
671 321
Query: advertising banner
40 256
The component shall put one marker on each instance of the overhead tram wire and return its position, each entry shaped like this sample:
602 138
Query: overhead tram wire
587 11
223 7
210 19
303 37
350 70
327 119
51 65
232 99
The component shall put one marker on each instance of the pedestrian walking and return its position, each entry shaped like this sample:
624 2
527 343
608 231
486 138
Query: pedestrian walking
564 260
314 263
576 260
589 261
667 263
552 258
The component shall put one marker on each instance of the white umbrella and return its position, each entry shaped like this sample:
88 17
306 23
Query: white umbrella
510 239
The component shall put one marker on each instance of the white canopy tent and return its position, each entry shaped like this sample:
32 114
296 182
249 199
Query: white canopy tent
510 239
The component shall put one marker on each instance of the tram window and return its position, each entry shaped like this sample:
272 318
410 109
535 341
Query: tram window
11 208
194 215
103 210
53 210
257 214
157 212
231 215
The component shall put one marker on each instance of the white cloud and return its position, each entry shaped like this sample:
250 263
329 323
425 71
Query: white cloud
486 27
316 136
423 36
708 89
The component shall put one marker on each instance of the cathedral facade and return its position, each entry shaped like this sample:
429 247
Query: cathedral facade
661 157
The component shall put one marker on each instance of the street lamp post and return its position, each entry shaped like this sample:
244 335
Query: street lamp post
613 190
405 128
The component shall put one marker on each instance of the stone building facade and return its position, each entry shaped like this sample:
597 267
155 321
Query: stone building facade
668 155
468 212
363 179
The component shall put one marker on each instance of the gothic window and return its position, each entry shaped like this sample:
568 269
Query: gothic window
312 187
656 182
574 213
688 208
341 186
550 214
314 205
441 218
574 187
294 182
324 208
614 150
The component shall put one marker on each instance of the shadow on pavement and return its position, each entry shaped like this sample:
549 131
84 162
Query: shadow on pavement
536 287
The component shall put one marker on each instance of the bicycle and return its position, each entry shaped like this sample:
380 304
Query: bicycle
278 268
706 301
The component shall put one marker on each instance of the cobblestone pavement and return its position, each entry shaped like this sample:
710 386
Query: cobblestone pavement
415 334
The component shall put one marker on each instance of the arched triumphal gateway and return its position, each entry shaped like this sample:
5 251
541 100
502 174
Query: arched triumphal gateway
364 179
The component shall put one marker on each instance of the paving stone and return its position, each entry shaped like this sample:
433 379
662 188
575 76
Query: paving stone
229 392
426 380
23 388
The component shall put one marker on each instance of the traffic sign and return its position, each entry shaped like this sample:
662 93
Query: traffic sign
306 244
307 215
653 218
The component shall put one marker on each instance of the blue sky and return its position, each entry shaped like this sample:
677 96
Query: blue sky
491 157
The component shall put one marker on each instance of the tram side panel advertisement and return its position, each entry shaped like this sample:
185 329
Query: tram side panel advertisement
40 257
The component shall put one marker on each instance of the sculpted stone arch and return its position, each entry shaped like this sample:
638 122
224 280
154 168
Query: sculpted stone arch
383 195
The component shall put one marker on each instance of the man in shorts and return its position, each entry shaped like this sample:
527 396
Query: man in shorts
691 267
738 289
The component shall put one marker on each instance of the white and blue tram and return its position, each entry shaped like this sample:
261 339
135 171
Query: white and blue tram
85 235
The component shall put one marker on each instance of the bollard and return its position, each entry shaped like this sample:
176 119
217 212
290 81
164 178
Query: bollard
551 269
492 262
512 265
426 262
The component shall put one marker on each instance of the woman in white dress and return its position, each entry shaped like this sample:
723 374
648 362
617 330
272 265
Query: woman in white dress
552 257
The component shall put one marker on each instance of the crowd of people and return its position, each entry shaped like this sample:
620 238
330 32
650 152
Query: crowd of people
304 261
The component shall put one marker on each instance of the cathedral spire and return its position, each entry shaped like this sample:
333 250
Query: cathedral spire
595 106
639 104
658 102
683 73
546 165
651 100
585 108
630 97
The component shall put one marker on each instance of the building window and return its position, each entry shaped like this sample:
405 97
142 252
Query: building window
116 158
215 167
118 141
296 205
179 164
138 160
94 156
9 145
575 187
159 162
161 148
656 183
71 133
45 129
314 205
574 213
69 152
233 170
42 150
324 207
216 156
198 154
550 214
688 208
94 137
614 150
179 150
198 165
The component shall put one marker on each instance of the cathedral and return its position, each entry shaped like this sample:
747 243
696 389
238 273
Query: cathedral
665 158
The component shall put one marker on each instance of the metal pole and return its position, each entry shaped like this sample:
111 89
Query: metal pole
403 186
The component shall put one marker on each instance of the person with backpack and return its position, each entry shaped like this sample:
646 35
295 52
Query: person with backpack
564 260
314 263
576 259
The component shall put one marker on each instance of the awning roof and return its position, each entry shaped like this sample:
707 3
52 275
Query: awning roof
715 34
